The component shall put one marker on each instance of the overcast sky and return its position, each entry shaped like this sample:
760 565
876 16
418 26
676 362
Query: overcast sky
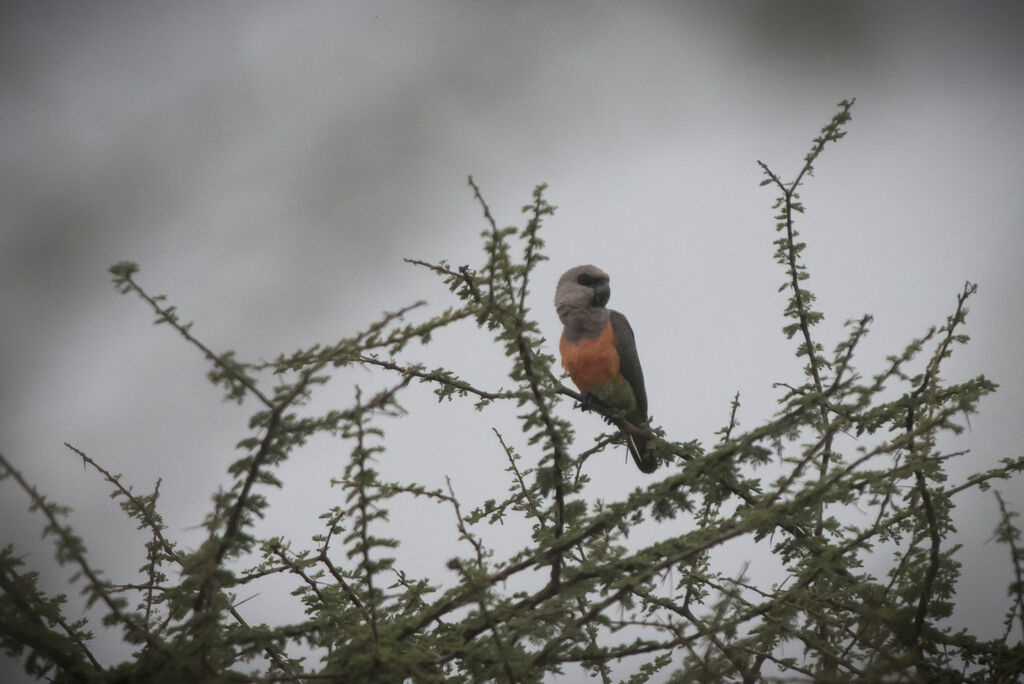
269 165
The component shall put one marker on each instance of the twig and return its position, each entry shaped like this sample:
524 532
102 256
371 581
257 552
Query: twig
169 316
534 508
1016 555
144 511
431 376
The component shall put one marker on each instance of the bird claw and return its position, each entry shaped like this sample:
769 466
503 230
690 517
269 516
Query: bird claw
592 403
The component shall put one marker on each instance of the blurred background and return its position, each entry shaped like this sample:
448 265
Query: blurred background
270 165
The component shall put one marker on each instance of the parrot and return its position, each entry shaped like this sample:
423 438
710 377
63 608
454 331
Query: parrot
599 352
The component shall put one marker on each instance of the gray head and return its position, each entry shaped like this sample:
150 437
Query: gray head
582 291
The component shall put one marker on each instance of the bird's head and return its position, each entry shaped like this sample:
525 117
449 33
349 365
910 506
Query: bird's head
581 288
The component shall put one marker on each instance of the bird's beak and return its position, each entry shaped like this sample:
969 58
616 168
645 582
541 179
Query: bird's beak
602 292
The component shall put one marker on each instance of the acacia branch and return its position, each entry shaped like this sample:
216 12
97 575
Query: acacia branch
1016 555
416 371
123 273
524 491
929 381
140 508
71 546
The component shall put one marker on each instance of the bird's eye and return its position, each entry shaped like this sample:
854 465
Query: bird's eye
585 280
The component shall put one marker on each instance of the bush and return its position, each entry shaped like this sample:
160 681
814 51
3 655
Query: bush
839 438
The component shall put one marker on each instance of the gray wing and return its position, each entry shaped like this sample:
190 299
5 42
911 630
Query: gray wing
629 362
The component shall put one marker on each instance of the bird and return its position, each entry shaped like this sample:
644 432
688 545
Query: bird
598 350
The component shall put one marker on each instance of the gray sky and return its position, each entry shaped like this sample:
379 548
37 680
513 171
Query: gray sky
269 165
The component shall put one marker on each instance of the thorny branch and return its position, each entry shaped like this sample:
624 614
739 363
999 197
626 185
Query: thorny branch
928 383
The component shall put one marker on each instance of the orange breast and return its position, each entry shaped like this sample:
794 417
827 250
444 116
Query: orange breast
591 363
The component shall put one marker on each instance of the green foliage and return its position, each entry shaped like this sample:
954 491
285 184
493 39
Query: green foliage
579 594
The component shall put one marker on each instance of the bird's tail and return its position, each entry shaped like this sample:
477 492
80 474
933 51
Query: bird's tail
643 455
